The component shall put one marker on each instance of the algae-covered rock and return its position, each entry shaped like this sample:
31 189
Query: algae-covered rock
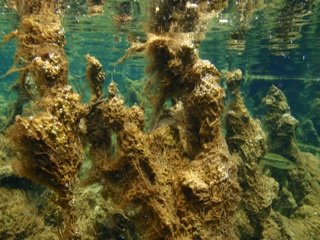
309 134
48 141
19 219
295 210
280 124
247 142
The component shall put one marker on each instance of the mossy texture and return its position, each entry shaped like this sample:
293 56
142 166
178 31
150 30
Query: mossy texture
50 150
173 175
18 217
176 180
281 125
247 142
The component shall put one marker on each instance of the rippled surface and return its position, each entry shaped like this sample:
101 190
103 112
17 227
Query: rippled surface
267 39
276 42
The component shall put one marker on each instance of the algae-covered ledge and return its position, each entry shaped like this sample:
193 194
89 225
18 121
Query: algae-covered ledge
173 175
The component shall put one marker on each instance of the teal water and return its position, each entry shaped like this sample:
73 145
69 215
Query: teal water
272 42
262 52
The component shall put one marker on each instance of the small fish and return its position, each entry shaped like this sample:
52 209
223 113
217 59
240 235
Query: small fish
277 161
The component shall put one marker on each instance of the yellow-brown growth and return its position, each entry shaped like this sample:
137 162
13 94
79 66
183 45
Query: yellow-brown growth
177 180
168 76
281 125
158 189
95 7
182 16
247 143
40 44
50 150
48 142
96 76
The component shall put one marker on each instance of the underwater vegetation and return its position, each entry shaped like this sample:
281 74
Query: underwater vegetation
163 168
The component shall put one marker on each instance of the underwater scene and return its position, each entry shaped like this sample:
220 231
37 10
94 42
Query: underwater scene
160 119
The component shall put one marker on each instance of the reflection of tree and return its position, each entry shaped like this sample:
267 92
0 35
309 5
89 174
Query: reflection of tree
243 11
288 25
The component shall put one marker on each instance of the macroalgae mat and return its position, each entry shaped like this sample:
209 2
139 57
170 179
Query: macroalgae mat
161 169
